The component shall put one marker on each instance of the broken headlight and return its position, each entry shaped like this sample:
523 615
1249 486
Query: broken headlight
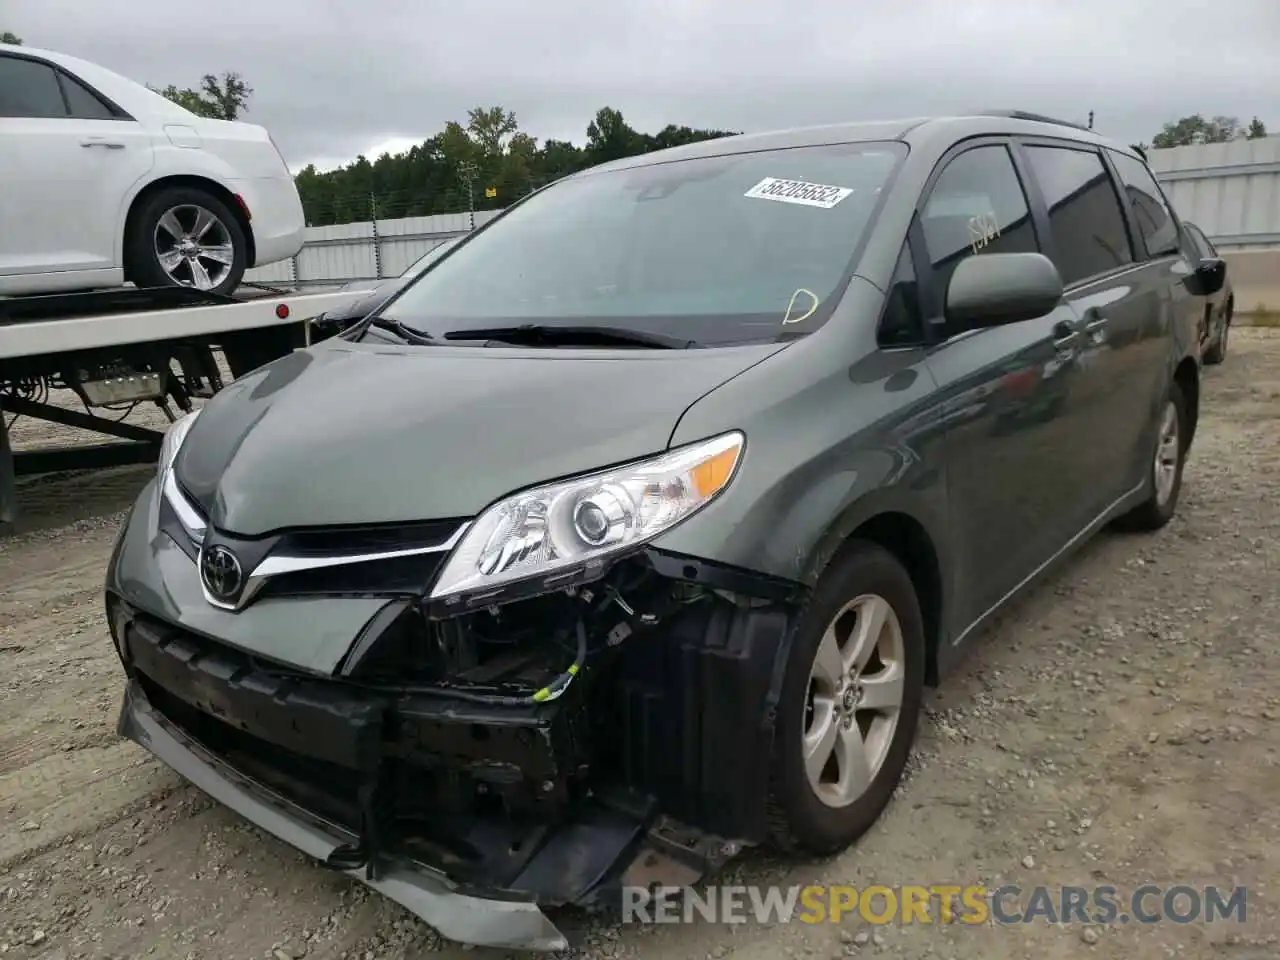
574 523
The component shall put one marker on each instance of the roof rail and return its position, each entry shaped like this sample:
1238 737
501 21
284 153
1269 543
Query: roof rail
1037 117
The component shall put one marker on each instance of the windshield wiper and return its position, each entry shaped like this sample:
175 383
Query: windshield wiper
404 332
533 334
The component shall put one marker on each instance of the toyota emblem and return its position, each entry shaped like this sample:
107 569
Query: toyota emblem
220 571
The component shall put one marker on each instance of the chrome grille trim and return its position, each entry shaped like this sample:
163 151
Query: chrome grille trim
275 565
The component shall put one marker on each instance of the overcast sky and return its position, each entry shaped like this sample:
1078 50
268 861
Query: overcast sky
334 78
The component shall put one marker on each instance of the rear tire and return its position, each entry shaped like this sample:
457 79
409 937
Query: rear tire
1164 477
1218 351
848 712
186 237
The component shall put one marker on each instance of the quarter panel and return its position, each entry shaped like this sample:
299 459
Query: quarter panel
278 224
244 148
170 161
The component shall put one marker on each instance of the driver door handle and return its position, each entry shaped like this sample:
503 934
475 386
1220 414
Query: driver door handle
1064 335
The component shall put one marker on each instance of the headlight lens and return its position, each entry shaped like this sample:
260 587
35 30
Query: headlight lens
187 515
172 443
562 526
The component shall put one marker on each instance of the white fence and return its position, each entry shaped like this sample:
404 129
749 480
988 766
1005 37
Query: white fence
1231 190
364 251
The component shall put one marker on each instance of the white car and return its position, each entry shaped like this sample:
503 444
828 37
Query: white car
103 181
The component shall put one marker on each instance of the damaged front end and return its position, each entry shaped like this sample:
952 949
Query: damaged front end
545 752
476 754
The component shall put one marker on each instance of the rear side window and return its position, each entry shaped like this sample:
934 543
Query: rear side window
85 104
1155 220
1085 217
976 206
29 89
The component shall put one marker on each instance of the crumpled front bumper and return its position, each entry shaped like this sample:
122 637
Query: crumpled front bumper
475 816
463 916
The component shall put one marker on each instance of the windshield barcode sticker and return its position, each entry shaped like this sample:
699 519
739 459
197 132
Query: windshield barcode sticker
798 191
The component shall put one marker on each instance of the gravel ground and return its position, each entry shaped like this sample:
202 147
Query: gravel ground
1120 726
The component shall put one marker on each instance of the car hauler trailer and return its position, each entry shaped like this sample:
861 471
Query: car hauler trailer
118 348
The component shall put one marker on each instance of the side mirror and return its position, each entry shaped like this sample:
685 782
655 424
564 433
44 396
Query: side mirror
992 289
1208 277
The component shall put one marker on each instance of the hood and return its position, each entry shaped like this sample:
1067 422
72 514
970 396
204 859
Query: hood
361 307
354 433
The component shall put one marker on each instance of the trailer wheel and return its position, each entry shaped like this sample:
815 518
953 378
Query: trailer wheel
186 237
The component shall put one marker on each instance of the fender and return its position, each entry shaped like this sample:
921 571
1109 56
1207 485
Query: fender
882 502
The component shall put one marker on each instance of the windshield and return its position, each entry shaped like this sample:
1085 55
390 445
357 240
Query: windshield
432 255
715 250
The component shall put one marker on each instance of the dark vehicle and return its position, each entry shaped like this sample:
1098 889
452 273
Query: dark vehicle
1218 306
337 320
630 533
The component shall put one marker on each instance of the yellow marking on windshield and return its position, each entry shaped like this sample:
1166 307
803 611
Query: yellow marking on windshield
786 317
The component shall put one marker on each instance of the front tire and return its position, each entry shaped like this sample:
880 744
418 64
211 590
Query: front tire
186 237
850 703
1164 480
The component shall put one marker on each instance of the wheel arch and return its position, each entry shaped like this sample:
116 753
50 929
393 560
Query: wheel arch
196 182
913 542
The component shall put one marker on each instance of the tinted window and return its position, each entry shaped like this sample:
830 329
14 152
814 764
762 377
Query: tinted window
1085 217
29 89
1200 245
712 249
976 206
85 104
902 323
1155 219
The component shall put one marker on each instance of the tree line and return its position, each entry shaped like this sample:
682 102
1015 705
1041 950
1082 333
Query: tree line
484 164
1200 129
488 162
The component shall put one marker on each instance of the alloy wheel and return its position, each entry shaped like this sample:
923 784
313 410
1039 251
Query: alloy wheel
856 687
194 247
1168 451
